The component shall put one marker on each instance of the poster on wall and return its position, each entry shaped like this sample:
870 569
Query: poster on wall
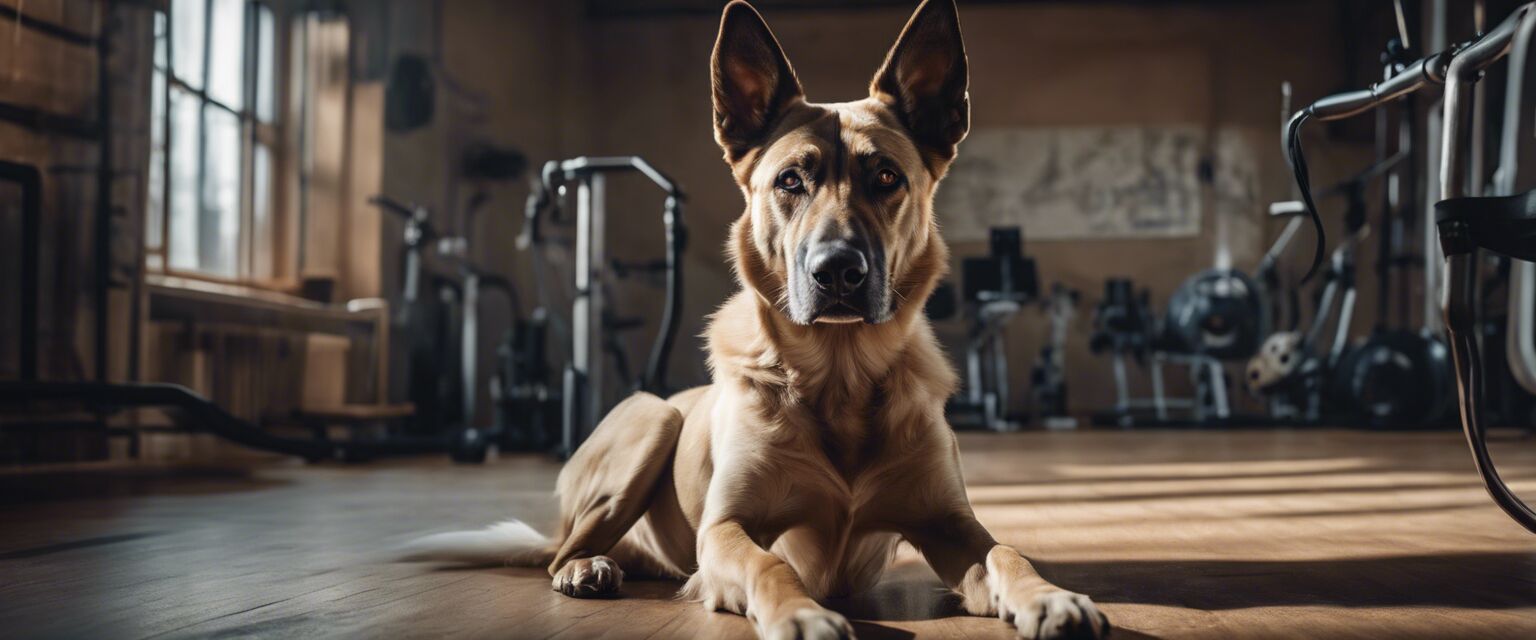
1089 182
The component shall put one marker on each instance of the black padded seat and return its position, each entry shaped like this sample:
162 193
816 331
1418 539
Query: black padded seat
1502 224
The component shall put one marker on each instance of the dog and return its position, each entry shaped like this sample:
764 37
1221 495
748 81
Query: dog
821 442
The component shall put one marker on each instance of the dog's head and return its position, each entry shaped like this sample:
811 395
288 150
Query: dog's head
839 222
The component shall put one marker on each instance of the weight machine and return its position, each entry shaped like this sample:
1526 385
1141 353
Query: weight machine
592 324
439 317
1048 379
995 288
1466 221
1214 316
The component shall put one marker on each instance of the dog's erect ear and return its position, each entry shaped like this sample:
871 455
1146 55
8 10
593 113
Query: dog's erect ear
751 78
925 76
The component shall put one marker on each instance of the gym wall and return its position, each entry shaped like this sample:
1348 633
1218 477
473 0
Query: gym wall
558 79
1216 66
566 78
59 75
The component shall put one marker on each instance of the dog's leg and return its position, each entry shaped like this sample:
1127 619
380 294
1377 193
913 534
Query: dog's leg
606 487
737 575
994 579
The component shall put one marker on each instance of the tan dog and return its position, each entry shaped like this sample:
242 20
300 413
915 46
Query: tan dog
821 443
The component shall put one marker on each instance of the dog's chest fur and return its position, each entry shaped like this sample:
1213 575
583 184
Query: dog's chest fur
840 419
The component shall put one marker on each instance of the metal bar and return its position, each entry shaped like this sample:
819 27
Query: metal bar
1520 345
1479 121
654 379
583 169
1459 297
1390 192
594 165
1463 71
996 348
597 252
1461 285
1416 75
1122 391
1159 396
203 415
1219 389
582 317
973 372
469 341
1341 332
1434 118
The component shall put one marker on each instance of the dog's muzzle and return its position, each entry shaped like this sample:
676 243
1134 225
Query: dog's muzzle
839 281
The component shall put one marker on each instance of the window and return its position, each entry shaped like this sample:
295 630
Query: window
215 140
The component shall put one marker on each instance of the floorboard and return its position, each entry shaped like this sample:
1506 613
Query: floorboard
1178 534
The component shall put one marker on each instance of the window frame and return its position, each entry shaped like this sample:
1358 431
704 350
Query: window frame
253 133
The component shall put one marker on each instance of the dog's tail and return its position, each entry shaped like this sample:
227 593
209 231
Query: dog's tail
506 543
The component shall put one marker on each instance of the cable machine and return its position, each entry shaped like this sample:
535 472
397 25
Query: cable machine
1466 223
592 324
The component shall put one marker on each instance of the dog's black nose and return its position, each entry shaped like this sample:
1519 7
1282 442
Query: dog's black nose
837 268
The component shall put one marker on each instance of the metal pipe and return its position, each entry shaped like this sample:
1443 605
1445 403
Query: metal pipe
1159 397
1412 77
1479 121
597 295
556 172
1464 70
1122 392
1520 345
1458 301
1341 332
469 342
583 379
1415 75
1429 247
1461 285
583 320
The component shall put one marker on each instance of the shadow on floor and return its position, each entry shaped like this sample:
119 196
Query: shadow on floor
1470 580
86 484
84 543
910 591
1095 479
1219 492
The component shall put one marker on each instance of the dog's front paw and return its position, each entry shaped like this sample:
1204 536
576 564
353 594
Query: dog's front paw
1054 614
594 577
809 623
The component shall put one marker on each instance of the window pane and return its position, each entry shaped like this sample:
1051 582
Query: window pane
219 242
226 53
185 131
188 19
263 235
155 177
266 81
160 40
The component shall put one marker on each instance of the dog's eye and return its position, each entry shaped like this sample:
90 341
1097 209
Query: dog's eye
790 181
887 179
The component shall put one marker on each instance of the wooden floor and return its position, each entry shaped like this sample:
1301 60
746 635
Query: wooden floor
1184 534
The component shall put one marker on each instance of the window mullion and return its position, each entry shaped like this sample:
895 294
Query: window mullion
166 137
206 219
246 259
